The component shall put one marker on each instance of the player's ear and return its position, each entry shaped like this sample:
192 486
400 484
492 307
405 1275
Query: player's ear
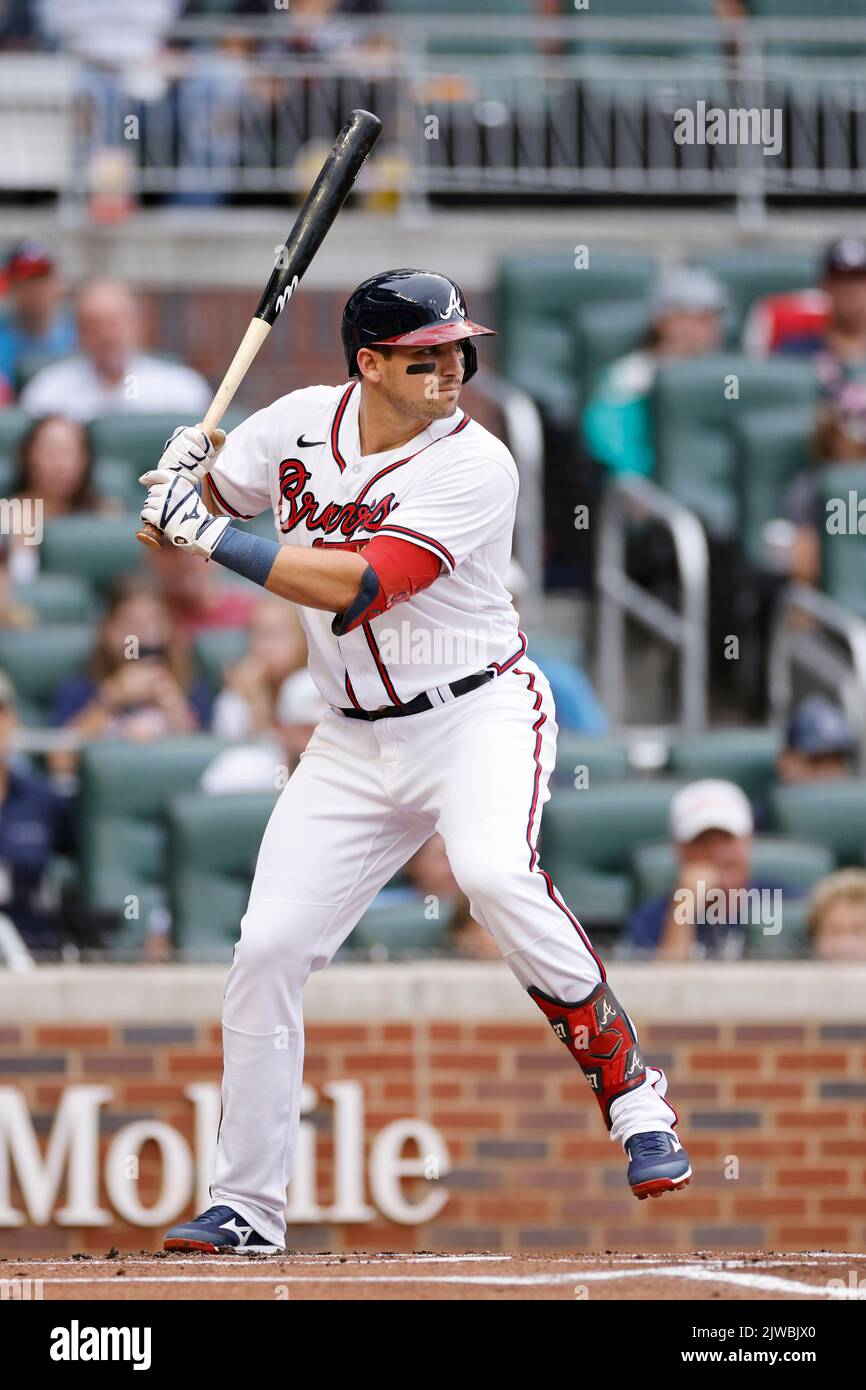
370 364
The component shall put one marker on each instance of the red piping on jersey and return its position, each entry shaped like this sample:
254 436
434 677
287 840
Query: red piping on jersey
511 660
350 692
398 463
335 427
534 866
380 665
221 501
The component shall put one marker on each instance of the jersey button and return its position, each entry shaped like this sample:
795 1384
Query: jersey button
356 468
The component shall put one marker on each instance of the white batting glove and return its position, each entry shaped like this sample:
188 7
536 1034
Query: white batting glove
191 452
174 506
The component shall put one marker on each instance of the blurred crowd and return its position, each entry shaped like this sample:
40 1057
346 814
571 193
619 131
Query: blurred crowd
74 358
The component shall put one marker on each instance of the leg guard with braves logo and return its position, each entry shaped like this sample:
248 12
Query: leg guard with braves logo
599 1035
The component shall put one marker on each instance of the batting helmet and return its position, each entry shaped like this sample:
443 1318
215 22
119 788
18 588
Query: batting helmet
408 308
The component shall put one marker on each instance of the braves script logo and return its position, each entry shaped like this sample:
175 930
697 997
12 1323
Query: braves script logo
298 504
283 299
453 307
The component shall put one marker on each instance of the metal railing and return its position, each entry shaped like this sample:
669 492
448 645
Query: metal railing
532 106
814 647
621 597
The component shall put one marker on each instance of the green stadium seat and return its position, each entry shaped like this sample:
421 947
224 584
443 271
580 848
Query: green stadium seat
745 756
748 274
126 789
213 845
14 424
537 298
59 598
694 425
831 813
818 47
772 447
588 838
605 758
605 331
672 39
37 659
843 553
215 650
399 929
137 438
97 548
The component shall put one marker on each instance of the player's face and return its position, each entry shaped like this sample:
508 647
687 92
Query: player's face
423 382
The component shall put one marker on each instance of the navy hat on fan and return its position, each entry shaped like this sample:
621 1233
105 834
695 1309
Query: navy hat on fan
847 256
818 727
408 308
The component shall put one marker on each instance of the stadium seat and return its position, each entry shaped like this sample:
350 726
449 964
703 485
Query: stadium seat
395 929
125 792
772 447
672 39
213 842
832 813
605 331
59 598
748 274
843 553
537 297
694 425
14 424
99 549
604 757
745 756
37 659
137 439
588 838
215 650
819 46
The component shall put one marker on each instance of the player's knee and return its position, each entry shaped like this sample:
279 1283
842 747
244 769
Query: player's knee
477 868
273 939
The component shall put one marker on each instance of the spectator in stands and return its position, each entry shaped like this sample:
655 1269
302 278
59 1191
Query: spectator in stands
12 613
247 704
55 471
836 915
827 324
35 824
466 937
197 596
111 374
138 684
819 745
38 322
705 916
687 321
840 437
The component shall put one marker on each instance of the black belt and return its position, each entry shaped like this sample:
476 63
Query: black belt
422 701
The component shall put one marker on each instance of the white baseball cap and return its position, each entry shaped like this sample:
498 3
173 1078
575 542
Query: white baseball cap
710 805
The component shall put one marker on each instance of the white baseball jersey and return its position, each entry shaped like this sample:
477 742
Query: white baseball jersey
451 489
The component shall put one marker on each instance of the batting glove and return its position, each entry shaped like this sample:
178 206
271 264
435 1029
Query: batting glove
190 452
175 507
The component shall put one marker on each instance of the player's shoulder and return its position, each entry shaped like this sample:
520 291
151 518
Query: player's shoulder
476 446
308 407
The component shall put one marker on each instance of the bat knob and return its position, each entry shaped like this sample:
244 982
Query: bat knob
150 535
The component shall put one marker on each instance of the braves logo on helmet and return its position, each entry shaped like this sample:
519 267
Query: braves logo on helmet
454 306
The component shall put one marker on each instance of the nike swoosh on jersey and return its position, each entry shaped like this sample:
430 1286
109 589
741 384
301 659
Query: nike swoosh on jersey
309 443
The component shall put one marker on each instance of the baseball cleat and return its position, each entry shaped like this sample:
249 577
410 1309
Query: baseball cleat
217 1231
658 1163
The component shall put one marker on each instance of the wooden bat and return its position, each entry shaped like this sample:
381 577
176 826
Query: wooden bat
326 197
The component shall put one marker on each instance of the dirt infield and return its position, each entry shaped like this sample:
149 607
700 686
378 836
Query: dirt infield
725 1276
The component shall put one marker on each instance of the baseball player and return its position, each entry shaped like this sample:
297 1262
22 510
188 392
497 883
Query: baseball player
394 514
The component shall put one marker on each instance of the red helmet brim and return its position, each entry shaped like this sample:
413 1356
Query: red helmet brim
434 333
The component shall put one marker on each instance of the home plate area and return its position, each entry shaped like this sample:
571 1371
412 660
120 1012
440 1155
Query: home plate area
613 1275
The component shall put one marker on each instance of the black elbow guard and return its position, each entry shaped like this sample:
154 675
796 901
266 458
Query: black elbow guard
359 608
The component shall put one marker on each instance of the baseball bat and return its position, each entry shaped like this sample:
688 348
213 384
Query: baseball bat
326 197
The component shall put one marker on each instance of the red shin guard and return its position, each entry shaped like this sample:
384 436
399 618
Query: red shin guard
598 1033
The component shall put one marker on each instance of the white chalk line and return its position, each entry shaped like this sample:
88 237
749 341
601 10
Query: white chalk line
763 1282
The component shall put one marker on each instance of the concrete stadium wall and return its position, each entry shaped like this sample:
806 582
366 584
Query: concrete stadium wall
439 1084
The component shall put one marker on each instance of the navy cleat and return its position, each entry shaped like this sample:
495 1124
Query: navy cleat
658 1163
217 1231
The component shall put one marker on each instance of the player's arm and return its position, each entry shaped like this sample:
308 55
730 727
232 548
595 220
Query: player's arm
355 587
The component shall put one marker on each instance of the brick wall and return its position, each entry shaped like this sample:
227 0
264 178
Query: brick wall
772 1109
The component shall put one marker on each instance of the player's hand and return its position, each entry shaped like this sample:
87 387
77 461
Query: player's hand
190 452
174 506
